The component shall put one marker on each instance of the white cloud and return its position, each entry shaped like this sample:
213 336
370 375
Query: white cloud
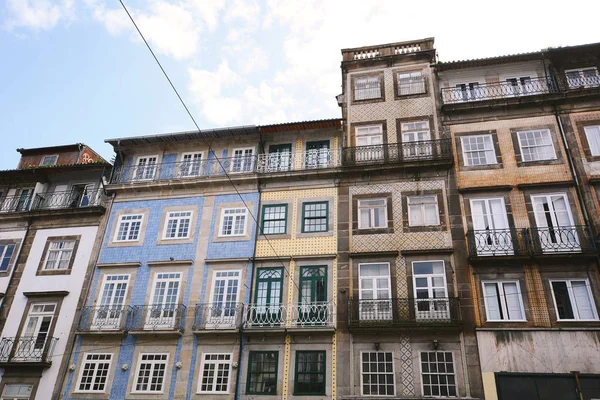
209 11
37 14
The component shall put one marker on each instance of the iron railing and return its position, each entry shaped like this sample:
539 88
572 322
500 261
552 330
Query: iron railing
27 349
103 318
195 169
498 242
421 151
367 91
563 239
414 86
318 314
164 317
69 199
581 81
404 312
499 90
16 203
218 316
298 161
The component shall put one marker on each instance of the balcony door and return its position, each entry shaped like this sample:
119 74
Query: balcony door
416 139
490 225
431 294
81 196
224 299
470 91
35 332
313 295
317 154
165 296
374 291
280 157
24 199
267 297
369 143
555 228
145 168
191 164
111 305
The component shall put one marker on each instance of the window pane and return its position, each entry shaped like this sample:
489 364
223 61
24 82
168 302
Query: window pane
563 302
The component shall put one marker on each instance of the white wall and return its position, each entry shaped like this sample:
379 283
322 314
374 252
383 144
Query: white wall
512 70
20 234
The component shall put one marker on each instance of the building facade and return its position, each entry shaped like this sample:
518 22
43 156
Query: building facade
51 209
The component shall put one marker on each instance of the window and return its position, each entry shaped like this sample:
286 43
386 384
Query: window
369 135
216 371
49 160
573 300
145 168
59 255
129 228
554 223
242 160
503 301
233 222
313 296
6 253
178 225
367 88
94 372
377 373
151 373
478 150
423 211
490 224
372 213
224 299
165 297
374 292
536 145
437 373
520 86
431 294
110 310
279 158
470 91
411 83
318 155
262 372
413 136
315 216
274 219
268 296
310 373
191 164
35 332
592 133
17 392
585 77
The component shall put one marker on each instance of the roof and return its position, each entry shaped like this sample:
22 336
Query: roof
64 147
301 125
480 62
11 176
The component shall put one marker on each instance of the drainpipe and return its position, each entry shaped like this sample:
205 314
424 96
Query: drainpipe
62 375
12 273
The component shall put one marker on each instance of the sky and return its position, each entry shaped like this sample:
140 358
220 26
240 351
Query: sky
76 71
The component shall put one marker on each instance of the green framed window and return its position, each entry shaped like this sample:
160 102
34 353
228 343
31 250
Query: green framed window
315 216
274 219
313 308
310 373
267 297
262 372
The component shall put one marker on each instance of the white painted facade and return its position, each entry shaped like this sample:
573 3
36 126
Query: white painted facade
12 235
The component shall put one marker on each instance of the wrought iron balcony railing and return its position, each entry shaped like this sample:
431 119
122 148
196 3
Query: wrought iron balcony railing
218 316
407 152
318 314
306 160
17 203
103 319
27 349
69 199
498 242
563 239
404 312
163 317
499 90
581 81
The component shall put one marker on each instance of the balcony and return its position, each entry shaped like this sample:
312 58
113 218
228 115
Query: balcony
499 90
319 315
169 318
498 242
300 161
404 313
69 199
399 153
11 204
28 350
103 319
563 239
218 316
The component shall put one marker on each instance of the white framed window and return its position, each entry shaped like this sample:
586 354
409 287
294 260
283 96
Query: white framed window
491 228
470 91
368 87
34 334
224 298
554 223
374 292
583 77
17 392
371 135
215 373
6 252
151 373
59 254
411 83
377 373
94 372
242 160
416 131
233 222
503 301
573 300
592 133
536 145
438 376
177 225
164 301
430 289
192 164
129 228
478 150
423 211
110 311
49 160
372 213
145 168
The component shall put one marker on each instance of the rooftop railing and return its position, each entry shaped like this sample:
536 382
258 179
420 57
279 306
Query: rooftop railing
31 349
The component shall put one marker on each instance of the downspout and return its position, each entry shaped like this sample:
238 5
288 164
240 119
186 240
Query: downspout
63 373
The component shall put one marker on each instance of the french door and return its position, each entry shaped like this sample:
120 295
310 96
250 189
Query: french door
416 139
35 333
280 157
317 155
375 295
24 200
431 295
556 231
490 223
191 165
267 297
313 295
145 168
110 312
369 143
163 309
224 299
